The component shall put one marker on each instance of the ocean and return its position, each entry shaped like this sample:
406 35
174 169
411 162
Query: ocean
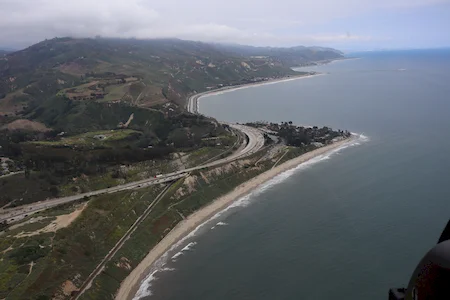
348 225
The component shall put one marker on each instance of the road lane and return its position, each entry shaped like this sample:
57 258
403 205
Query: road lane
255 143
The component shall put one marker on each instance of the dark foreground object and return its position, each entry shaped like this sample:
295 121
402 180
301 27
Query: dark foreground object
431 279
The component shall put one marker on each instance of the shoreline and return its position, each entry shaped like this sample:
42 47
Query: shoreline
193 100
326 62
130 286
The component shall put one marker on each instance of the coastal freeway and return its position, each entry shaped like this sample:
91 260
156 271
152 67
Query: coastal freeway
255 141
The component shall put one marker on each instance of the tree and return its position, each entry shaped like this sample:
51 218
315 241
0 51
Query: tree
54 190
179 138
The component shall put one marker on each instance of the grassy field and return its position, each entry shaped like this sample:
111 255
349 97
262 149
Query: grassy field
42 184
294 152
93 138
71 253
135 90
13 103
108 89
83 87
217 147
116 92
23 190
116 176
141 170
203 154
42 265
164 217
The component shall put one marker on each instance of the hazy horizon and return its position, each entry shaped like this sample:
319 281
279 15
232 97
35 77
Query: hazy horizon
345 51
349 26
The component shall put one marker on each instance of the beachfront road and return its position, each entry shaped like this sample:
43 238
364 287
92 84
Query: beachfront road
255 143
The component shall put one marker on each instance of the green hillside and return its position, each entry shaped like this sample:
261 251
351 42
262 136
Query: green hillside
80 89
166 69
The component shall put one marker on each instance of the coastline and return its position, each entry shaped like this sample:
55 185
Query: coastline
326 62
193 100
130 286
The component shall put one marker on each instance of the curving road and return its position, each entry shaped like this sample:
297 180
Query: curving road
255 143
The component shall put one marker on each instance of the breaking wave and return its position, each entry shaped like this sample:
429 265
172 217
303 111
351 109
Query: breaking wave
158 266
219 224
144 289
186 248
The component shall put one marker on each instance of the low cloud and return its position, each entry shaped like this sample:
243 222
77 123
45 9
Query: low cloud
340 38
23 22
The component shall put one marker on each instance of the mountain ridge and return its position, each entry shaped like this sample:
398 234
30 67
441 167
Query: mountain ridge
162 70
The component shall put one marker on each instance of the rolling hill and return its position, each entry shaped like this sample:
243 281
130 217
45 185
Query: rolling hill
169 68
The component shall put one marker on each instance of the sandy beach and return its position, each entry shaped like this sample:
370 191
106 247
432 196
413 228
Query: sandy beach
193 101
130 285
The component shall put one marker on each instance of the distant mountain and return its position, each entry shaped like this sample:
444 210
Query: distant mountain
167 70
292 56
3 52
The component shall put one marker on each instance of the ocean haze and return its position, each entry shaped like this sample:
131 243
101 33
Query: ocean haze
357 222
349 24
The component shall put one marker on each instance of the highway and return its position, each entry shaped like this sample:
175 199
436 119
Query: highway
255 143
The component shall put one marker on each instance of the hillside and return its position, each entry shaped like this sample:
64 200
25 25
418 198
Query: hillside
141 72
84 115
292 57
66 88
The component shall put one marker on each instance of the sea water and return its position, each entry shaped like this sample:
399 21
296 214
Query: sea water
346 225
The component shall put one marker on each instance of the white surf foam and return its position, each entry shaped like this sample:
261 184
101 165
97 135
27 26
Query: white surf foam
144 289
246 200
186 248
219 224
178 254
167 269
189 246
146 284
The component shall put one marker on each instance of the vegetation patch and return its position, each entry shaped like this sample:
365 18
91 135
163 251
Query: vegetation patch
70 253
23 124
93 139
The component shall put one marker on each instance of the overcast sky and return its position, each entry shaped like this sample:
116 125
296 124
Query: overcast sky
343 24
